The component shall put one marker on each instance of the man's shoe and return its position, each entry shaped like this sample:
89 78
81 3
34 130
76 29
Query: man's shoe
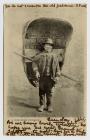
50 109
41 108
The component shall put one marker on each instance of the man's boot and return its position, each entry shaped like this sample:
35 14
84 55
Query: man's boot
41 108
50 108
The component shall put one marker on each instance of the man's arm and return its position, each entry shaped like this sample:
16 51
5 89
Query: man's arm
35 69
58 72
34 66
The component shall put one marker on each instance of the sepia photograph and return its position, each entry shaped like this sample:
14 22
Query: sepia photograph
45 66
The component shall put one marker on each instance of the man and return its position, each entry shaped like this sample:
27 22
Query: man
46 69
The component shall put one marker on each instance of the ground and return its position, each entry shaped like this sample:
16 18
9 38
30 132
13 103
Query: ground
68 100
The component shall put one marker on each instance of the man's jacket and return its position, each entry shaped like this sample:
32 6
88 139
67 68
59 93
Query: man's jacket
47 64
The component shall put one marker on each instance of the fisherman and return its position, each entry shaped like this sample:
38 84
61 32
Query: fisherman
46 69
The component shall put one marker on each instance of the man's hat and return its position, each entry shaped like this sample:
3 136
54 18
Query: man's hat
49 41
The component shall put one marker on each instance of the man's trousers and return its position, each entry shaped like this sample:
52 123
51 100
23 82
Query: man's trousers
46 88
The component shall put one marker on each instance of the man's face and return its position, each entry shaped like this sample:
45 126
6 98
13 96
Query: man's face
47 47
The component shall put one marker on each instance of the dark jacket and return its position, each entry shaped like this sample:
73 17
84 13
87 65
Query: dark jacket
46 64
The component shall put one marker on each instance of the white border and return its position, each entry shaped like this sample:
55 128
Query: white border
43 1
1 67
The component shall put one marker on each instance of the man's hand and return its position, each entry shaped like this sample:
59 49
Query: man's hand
56 79
37 75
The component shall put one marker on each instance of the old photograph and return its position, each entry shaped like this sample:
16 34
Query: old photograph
45 67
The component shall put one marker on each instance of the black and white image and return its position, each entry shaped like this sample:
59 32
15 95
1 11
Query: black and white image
44 61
